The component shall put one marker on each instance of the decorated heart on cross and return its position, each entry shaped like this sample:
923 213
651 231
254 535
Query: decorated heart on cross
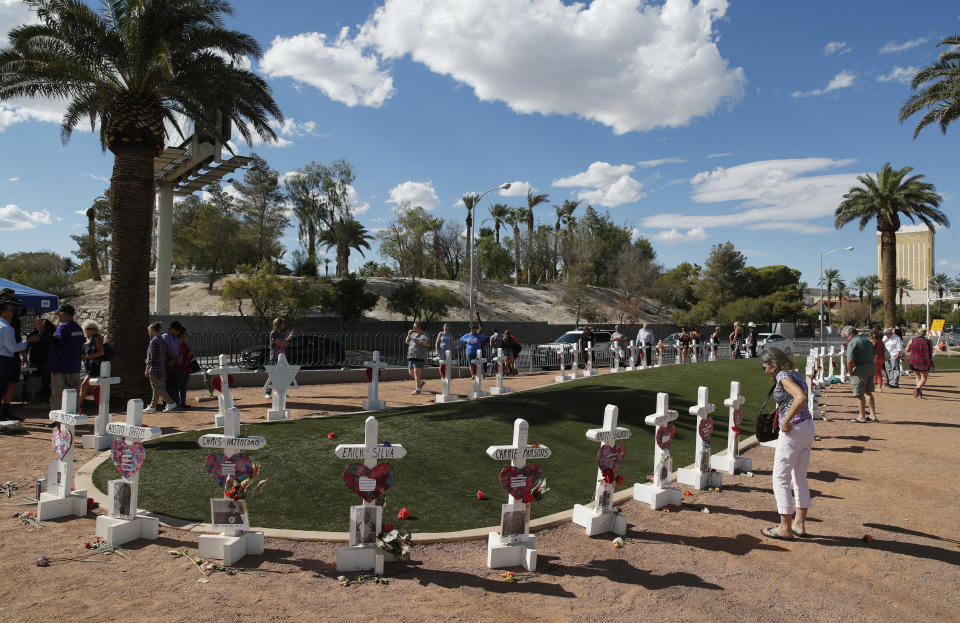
737 418
217 383
62 440
127 457
496 366
520 481
443 370
369 374
665 436
240 466
610 457
705 428
369 483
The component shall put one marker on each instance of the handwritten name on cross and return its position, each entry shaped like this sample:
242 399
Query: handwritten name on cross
735 404
518 452
104 381
661 456
67 417
230 441
370 451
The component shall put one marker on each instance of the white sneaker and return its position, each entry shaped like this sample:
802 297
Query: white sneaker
415 392
170 406
150 409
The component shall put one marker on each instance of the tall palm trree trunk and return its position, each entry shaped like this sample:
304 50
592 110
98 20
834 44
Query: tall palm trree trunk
888 280
92 241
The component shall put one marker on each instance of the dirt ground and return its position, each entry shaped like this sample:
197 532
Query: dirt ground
891 480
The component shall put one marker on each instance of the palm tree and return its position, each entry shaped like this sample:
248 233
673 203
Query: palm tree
470 202
942 96
435 223
892 194
871 287
302 191
941 282
564 216
830 277
497 211
860 283
513 218
344 234
841 288
533 200
128 69
903 284
92 241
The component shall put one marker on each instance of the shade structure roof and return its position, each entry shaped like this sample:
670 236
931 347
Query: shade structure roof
31 298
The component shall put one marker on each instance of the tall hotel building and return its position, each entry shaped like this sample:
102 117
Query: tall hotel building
915 259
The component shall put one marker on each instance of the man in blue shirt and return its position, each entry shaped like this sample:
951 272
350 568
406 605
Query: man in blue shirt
66 347
474 341
9 359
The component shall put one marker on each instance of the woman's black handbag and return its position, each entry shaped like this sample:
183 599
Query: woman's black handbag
767 429
194 366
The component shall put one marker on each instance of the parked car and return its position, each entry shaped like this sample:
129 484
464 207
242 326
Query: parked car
307 351
546 354
776 340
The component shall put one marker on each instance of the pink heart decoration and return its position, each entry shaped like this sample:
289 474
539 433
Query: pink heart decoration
127 457
705 428
219 467
62 440
610 457
520 481
382 474
737 417
665 436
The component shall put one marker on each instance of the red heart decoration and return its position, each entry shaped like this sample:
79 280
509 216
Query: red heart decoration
737 417
610 457
496 366
62 441
217 383
443 370
369 374
520 481
705 428
127 458
665 436
382 475
240 464
473 369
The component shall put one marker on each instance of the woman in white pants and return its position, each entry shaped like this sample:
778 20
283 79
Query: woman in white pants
792 457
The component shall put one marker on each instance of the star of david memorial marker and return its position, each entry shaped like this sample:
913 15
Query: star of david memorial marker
282 377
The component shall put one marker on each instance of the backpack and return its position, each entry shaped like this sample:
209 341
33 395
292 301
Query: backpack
107 352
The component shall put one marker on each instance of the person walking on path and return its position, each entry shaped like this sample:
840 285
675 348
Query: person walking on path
184 370
158 354
861 369
920 351
683 344
511 348
794 443
474 341
879 358
752 339
715 342
63 360
645 342
894 346
587 341
278 345
10 350
172 340
38 353
418 344
496 341
93 352
444 342
736 340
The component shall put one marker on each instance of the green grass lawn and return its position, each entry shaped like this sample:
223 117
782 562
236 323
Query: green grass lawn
446 462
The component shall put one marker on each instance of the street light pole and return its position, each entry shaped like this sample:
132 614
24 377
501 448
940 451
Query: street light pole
473 246
821 285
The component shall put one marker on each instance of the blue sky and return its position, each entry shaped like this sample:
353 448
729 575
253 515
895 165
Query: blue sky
694 123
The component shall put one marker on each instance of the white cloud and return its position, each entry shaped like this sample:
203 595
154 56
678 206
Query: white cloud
892 46
773 194
724 154
517 189
340 68
414 194
13 179
899 74
99 178
658 162
842 80
836 47
604 184
672 236
949 264
357 205
612 61
14 218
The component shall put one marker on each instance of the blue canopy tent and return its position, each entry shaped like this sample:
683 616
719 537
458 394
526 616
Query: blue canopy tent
31 298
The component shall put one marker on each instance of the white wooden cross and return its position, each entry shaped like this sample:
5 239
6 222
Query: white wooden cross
282 376
608 435
134 432
575 363
590 353
99 440
561 358
693 351
820 367
225 399
731 461
476 367
843 363
373 402
700 476
519 451
446 377
632 355
61 470
830 355
615 354
659 354
656 493
601 517
499 362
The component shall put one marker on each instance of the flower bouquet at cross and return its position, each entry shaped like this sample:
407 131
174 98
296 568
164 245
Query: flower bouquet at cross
239 490
395 540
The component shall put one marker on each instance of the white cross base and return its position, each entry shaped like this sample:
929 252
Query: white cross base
657 494
99 440
699 475
446 378
58 500
499 389
561 358
367 556
120 530
373 402
600 517
729 460
477 392
520 549
282 376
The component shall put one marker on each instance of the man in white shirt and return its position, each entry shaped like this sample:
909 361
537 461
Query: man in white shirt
894 346
9 360
645 342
